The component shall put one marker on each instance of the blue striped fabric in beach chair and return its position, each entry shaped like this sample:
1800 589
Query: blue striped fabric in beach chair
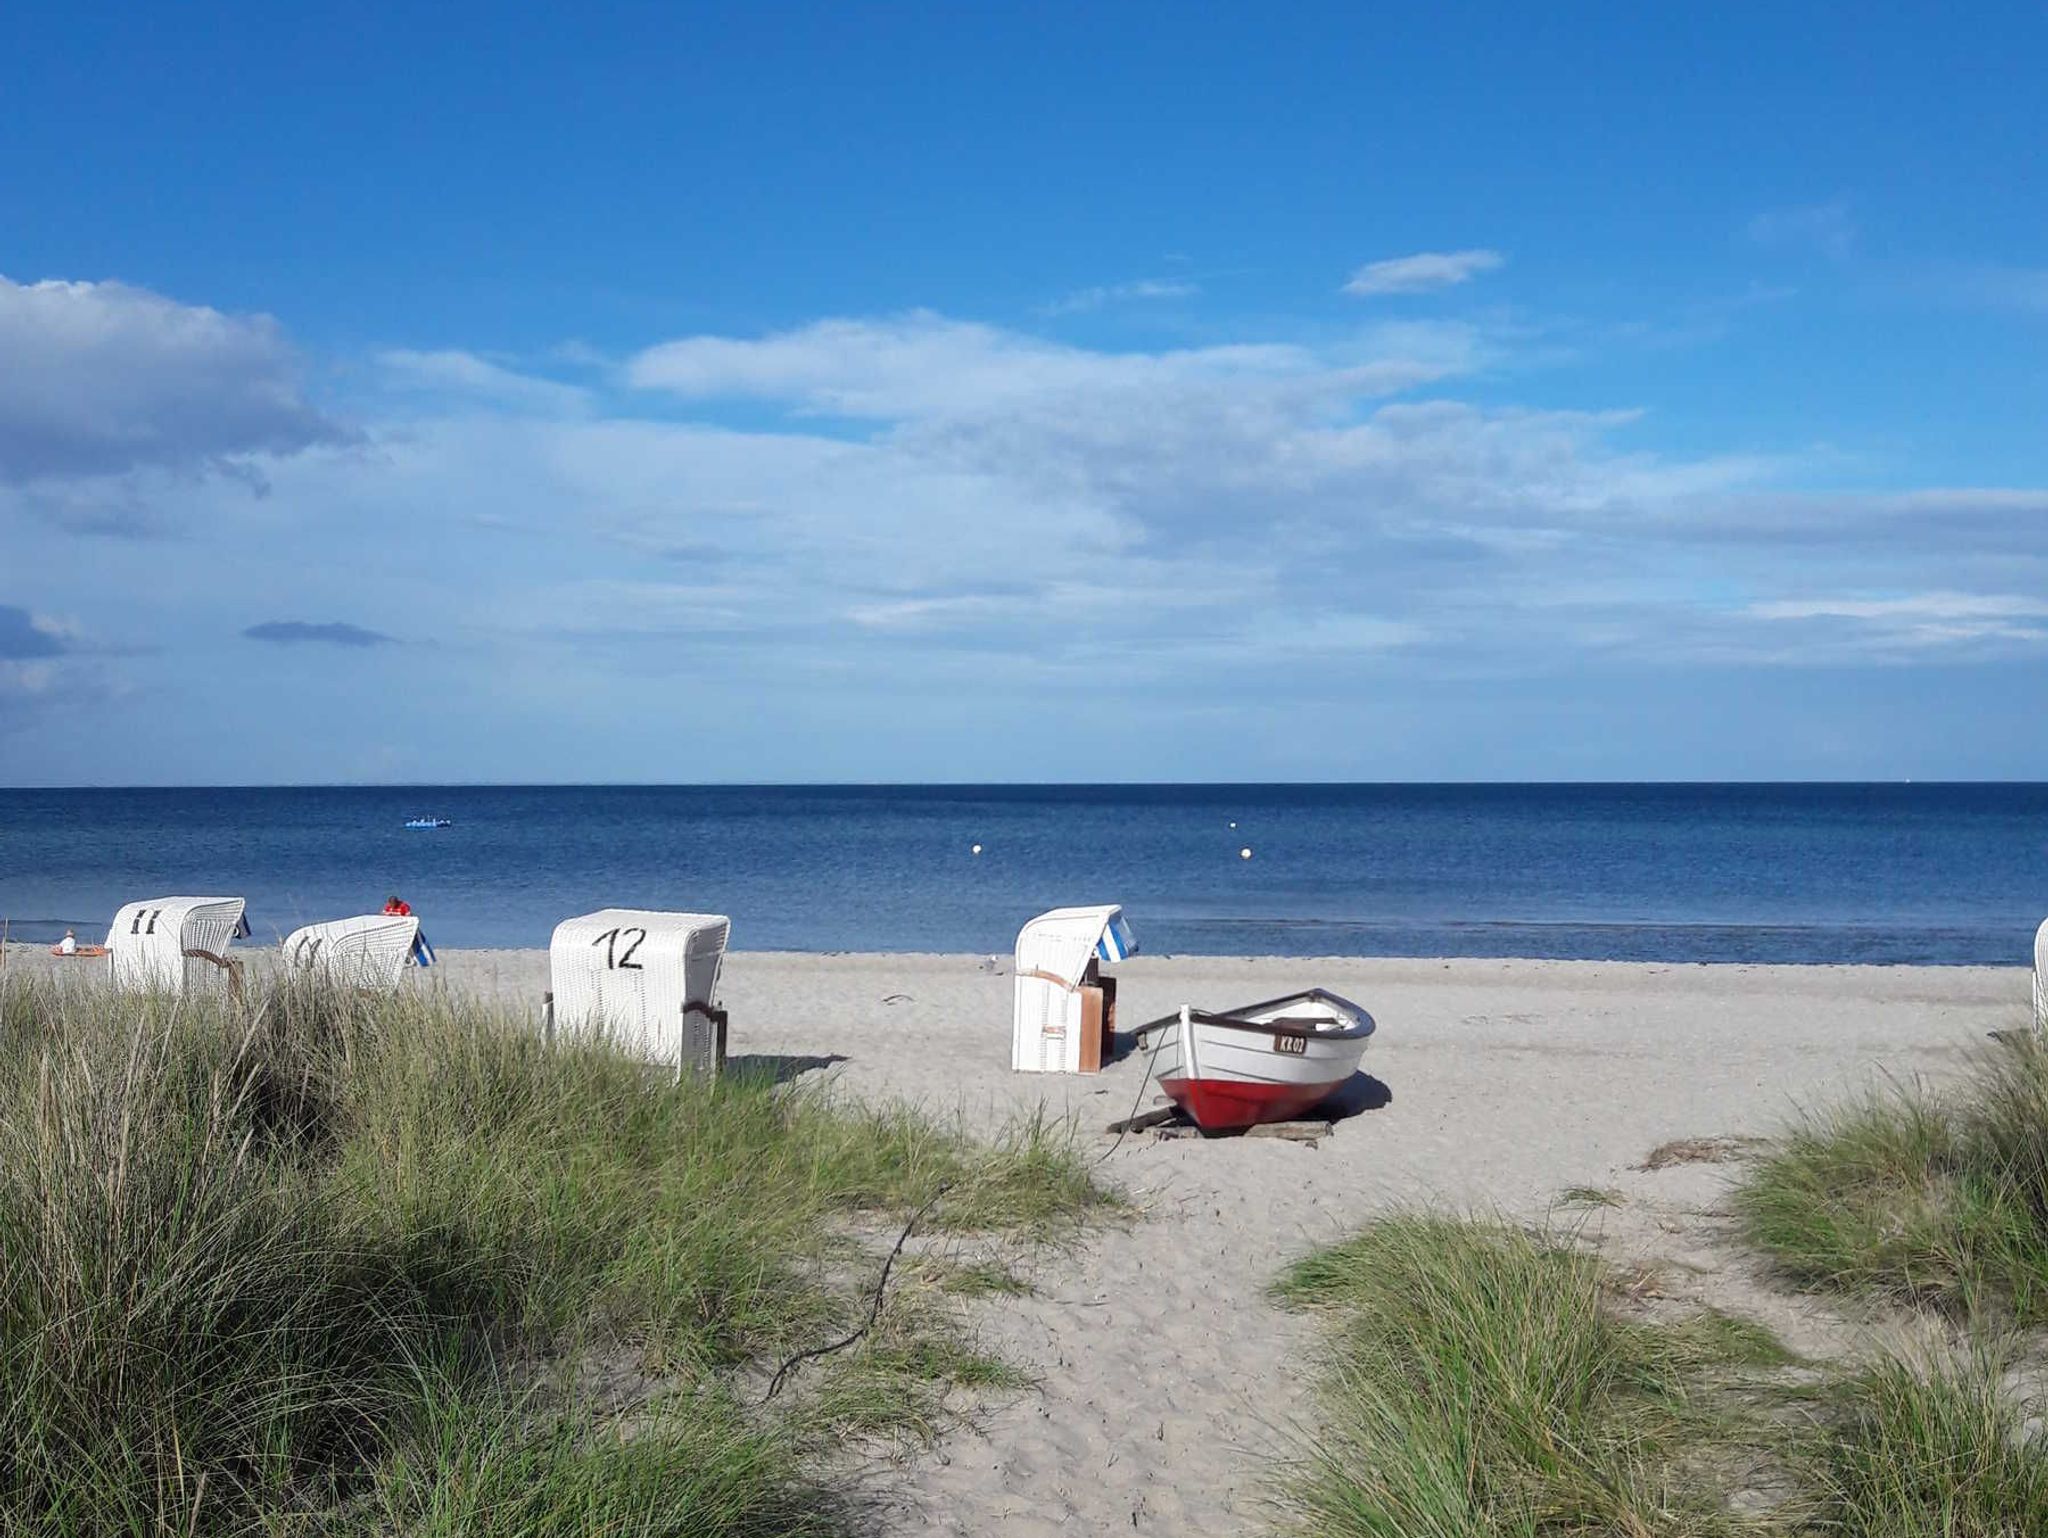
1117 941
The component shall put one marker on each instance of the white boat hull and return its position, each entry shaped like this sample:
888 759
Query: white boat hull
1264 1063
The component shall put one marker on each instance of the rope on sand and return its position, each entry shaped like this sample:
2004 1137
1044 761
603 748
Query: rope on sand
874 1312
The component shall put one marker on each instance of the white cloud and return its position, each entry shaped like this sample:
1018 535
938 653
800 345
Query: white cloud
926 365
998 493
42 667
1953 523
1096 297
101 379
1917 606
459 375
22 682
931 613
1919 621
1422 272
967 390
25 635
940 510
1166 509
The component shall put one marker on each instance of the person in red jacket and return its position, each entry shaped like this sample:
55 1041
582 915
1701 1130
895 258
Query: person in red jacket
398 906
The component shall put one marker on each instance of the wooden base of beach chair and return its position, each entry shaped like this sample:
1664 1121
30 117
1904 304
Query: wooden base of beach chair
1098 1022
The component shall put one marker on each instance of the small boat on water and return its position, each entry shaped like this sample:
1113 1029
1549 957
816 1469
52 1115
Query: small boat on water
430 822
1263 1062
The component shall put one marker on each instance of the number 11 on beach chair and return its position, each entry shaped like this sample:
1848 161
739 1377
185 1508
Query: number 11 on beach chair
369 951
645 980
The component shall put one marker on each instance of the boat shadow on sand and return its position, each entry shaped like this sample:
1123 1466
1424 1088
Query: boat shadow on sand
1355 1096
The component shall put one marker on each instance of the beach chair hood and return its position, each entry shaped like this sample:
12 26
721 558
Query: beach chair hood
1059 945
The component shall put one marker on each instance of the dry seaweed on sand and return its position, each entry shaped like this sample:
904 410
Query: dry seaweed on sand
1702 1150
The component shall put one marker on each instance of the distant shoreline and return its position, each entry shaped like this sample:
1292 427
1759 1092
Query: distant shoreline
978 786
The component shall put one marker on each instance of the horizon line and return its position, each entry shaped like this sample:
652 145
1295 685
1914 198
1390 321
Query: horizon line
1560 784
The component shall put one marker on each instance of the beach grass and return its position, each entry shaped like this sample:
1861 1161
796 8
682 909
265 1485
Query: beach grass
1480 1382
1932 1447
338 1264
1915 1198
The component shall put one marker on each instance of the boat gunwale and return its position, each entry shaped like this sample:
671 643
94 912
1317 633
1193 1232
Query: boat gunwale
1363 1026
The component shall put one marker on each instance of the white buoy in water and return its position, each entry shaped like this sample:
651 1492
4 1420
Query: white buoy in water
1233 825
1245 853
975 850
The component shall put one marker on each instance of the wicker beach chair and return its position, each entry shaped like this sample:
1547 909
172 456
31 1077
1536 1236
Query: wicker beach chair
1064 1017
176 945
644 979
369 951
2041 976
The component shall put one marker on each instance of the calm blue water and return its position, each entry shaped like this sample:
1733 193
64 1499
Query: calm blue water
1888 873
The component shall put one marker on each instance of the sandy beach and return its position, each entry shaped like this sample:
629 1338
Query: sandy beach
1166 1383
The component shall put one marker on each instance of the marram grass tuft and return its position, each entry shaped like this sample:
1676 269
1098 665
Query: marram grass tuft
254 1260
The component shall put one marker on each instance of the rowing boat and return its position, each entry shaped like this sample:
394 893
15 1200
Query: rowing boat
1264 1062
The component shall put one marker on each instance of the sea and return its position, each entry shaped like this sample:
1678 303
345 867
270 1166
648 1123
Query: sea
1880 873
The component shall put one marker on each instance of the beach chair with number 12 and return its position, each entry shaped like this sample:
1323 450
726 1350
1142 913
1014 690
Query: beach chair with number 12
644 980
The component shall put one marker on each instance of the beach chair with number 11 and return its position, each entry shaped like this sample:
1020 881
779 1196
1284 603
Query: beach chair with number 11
176 945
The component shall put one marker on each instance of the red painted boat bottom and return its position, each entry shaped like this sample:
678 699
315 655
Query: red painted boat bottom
1220 1104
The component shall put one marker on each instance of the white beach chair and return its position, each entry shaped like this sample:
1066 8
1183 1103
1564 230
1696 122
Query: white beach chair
1065 1008
366 952
176 945
2041 976
645 979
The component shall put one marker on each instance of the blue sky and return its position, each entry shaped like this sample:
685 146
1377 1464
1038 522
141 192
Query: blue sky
1051 392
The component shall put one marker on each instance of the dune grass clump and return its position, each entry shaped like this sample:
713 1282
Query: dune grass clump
1481 1384
1932 1449
479 1465
1487 1382
1918 1199
249 1259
